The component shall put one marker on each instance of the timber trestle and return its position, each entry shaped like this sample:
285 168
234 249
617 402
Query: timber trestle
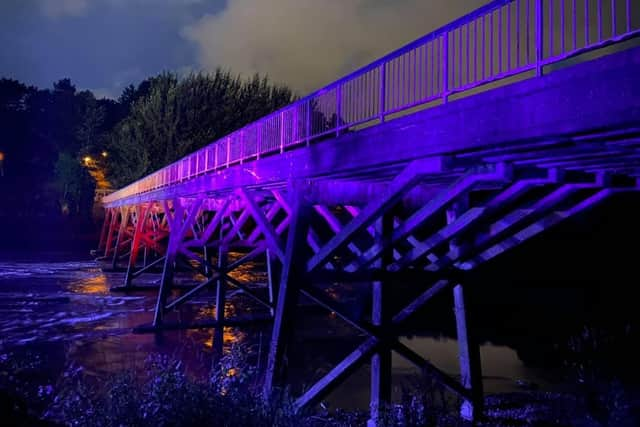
427 230
403 176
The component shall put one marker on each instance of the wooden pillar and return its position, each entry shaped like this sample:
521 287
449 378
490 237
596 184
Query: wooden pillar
112 228
273 274
469 357
468 347
121 231
207 258
141 217
292 275
218 336
175 238
104 230
380 316
166 282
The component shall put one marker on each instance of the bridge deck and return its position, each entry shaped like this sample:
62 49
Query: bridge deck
585 107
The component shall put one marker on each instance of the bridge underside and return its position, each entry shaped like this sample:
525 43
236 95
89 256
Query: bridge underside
431 197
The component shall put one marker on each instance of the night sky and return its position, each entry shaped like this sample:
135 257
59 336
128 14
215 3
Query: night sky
104 45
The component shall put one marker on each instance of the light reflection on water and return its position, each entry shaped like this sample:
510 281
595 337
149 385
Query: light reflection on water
66 311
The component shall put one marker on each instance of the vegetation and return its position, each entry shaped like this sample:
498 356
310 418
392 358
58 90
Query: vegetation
59 144
163 393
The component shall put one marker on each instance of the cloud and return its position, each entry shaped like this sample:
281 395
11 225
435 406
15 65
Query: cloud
62 8
308 43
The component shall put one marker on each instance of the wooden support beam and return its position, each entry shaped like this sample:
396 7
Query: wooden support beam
359 356
431 370
236 227
248 292
124 215
272 278
406 180
469 358
104 230
380 397
221 290
460 187
187 296
537 227
148 267
292 277
272 239
112 228
213 224
271 213
175 238
141 217
338 374
336 226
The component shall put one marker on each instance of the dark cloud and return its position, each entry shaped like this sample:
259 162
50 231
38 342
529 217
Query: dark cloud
100 44
307 43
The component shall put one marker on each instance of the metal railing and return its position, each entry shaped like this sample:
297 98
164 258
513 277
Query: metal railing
499 40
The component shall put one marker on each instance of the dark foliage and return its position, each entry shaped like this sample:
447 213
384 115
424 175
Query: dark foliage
48 134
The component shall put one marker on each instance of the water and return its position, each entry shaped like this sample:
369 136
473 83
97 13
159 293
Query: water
59 307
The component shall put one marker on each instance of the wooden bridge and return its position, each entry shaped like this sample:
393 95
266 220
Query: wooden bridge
414 169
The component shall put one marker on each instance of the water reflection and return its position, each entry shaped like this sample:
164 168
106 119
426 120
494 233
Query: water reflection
97 284
230 335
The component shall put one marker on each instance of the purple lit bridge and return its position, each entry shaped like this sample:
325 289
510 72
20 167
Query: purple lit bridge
414 169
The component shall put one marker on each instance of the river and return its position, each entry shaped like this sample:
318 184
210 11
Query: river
57 307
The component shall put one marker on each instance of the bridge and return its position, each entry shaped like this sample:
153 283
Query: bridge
413 170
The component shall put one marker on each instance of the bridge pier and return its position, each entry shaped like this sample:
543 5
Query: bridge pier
292 278
221 289
380 318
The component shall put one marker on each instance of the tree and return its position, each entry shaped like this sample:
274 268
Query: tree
179 116
91 118
75 186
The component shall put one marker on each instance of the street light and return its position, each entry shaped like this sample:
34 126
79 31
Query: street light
1 163
87 160
104 154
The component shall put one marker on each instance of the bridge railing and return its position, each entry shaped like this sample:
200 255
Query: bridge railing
502 39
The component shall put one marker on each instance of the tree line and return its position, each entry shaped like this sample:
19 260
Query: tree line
58 144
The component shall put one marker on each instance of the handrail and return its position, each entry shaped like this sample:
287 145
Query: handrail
498 40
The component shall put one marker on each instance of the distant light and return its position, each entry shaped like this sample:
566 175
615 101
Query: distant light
87 160
104 154
1 156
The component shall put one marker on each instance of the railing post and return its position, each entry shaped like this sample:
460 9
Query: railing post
382 101
308 123
445 66
338 108
241 146
281 133
258 138
228 150
539 37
